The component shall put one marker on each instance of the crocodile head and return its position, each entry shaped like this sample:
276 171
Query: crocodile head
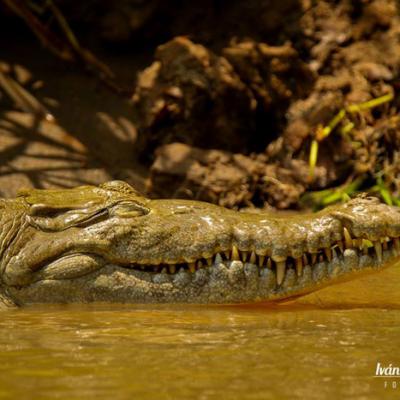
109 243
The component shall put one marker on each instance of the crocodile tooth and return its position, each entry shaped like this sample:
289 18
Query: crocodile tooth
278 258
172 268
347 238
299 266
280 271
199 264
192 267
209 261
313 258
164 270
261 260
378 249
253 258
321 258
396 242
269 263
328 253
244 256
235 253
218 259
351 258
340 245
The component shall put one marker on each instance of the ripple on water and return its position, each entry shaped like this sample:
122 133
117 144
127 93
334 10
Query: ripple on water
202 352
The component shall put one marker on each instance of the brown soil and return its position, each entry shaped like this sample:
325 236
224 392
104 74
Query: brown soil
221 99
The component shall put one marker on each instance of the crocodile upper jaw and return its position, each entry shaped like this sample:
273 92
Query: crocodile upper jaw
111 244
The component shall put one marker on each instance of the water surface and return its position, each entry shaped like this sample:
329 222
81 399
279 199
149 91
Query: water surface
326 347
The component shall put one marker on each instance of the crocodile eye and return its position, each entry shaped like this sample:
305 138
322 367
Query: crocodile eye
128 209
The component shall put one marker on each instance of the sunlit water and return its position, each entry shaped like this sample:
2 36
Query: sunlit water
326 347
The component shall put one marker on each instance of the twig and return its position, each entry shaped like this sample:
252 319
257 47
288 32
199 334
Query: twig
45 35
370 103
313 159
67 49
84 54
323 132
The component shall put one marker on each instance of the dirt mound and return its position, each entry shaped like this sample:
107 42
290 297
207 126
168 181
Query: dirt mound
350 56
189 92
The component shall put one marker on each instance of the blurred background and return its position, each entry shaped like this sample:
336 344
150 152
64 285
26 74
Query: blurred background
285 104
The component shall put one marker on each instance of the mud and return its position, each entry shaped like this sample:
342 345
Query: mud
229 179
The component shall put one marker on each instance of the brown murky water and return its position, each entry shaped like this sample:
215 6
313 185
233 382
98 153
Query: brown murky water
326 347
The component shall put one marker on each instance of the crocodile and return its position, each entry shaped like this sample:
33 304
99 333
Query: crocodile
109 243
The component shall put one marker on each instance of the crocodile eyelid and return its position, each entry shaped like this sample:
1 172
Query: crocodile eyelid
128 209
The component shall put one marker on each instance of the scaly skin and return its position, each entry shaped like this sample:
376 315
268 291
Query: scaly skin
111 244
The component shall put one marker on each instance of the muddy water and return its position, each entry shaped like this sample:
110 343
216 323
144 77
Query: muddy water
325 347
